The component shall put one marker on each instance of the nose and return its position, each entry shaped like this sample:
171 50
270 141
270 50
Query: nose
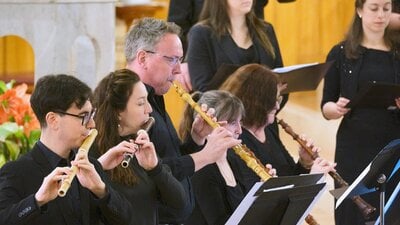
148 109
91 124
238 129
177 68
381 13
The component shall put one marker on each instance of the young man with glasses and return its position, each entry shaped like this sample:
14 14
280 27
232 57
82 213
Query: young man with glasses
29 186
153 50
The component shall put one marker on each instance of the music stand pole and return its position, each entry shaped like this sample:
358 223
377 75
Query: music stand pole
382 188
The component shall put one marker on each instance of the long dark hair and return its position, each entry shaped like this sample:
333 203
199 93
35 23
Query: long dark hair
256 86
215 15
110 98
355 34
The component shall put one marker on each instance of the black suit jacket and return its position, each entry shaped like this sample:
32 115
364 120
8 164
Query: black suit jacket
21 179
169 148
206 53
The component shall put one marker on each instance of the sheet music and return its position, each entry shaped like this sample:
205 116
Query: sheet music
252 196
279 188
352 186
294 67
316 199
244 205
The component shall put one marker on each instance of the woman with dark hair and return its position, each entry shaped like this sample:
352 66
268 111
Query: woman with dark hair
257 87
185 13
229 32
122 109
368 54
216 191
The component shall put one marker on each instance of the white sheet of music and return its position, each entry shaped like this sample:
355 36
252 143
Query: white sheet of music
244 205
250 198
293 67
311 206
352 186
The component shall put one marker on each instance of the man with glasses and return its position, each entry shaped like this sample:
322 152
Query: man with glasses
86 117
29 186
154 51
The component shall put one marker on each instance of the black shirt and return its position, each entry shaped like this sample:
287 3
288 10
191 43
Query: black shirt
168 147
73 194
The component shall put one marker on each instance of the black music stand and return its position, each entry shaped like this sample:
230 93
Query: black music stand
280 200
375 176
392 208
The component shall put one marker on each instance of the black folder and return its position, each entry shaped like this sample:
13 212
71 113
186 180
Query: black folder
376 95
303 77
281 200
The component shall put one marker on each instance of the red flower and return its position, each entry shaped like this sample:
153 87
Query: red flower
15 107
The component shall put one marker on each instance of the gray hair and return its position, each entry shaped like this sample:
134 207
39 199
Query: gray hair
227 106
145 33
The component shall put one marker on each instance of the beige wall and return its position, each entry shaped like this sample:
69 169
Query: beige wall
307 29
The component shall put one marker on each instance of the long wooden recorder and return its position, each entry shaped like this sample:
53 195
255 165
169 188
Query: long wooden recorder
66 183
366 209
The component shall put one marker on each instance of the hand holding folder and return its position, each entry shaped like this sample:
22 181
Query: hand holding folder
376 95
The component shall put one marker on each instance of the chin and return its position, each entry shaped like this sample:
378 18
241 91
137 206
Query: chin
271 120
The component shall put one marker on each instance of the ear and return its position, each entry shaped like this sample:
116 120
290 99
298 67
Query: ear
141 58
359 13
52 120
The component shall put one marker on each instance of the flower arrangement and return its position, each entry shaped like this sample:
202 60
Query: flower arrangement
19 127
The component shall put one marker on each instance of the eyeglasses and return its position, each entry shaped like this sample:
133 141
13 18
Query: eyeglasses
172 60
86 117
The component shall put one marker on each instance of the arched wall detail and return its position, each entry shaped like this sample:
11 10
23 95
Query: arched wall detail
54 27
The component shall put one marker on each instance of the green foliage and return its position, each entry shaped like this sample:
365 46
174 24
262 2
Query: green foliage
13 141
19 128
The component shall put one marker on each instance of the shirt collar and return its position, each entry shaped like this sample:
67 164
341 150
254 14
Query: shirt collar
52 157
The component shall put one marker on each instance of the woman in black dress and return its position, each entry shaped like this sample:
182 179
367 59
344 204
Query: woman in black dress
229 32
122 109
216 191
368 54
257 87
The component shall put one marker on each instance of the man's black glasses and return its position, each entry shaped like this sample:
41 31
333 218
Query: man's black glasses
172 60
86 117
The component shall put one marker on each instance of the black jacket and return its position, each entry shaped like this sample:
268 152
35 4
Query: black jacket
186 13
21 179
206 53
169 148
